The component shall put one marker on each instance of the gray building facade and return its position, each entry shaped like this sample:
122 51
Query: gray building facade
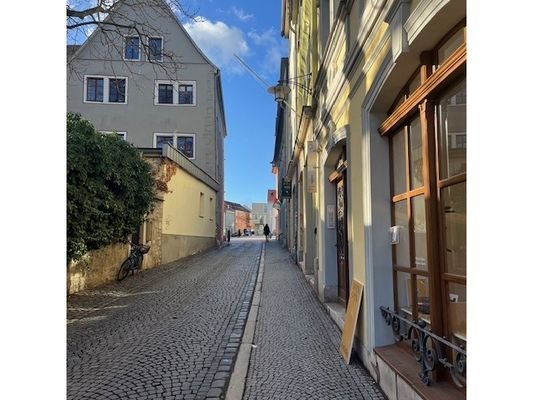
153 86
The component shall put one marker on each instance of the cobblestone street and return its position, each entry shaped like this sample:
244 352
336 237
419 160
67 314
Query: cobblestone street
173 332
167 333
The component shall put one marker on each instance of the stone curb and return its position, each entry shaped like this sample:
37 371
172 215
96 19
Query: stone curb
238 377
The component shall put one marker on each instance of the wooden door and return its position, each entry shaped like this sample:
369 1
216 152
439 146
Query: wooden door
342 253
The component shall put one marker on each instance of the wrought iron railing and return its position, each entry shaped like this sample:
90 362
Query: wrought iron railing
429 349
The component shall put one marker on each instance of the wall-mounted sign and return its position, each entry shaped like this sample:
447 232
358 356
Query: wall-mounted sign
350 321
285 189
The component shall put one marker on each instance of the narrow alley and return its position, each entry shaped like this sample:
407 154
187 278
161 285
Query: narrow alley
174 333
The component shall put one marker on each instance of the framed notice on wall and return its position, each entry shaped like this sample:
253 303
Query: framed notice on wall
350 320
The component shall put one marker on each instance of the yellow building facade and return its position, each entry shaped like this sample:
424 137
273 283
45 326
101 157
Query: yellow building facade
375 151
186 211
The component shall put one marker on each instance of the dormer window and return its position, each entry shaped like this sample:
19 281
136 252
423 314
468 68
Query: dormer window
132 48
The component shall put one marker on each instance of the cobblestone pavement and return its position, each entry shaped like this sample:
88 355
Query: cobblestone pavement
297 354
171 332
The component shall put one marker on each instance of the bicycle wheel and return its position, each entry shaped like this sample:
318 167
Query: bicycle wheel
125 268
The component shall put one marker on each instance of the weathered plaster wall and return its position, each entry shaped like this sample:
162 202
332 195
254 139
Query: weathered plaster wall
96 268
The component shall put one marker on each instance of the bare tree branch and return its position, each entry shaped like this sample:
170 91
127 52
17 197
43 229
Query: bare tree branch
114 24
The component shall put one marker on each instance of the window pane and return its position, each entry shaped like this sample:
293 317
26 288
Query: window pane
450 46
161 140
457 312
95 89
454 206
117 90
404 286
403 293
401 249
166 94
451 112
132 48
419 236
186 94
155 45
186 145
422 298
398 162
415 154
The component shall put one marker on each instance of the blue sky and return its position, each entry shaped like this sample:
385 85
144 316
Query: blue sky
250 29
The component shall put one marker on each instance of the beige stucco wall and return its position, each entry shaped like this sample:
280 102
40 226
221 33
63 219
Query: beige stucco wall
181 208
175 247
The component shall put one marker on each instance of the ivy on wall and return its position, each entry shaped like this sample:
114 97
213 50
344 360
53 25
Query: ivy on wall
109 188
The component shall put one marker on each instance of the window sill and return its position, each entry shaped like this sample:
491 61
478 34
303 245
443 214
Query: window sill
105 102
399 359
174 105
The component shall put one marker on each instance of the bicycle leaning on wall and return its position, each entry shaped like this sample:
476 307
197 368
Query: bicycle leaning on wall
134 260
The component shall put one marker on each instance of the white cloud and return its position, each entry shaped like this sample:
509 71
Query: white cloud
273 47
239 13
219 42
263 39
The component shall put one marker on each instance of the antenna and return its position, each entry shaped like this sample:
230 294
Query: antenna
260 80
252 72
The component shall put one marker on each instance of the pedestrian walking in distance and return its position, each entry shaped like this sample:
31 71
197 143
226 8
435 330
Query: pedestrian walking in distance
266 232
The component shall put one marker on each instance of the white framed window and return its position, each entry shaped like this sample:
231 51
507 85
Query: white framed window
132 48
120 134
155 48
105 89
175 93
184 142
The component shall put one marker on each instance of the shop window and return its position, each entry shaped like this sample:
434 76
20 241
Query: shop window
451 125
427 141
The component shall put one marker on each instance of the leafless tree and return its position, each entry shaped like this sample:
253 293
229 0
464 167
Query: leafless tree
113 20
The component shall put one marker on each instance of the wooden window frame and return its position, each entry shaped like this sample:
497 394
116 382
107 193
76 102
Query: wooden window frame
434 81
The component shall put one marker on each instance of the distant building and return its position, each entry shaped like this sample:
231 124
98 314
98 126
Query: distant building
261 215
273 207
236 217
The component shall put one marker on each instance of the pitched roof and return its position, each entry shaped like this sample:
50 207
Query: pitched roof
171 14
72 49
236 206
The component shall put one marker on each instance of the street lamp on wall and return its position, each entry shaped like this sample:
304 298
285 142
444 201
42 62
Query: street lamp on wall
283 88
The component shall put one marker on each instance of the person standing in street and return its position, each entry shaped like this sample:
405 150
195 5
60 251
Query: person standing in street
266 232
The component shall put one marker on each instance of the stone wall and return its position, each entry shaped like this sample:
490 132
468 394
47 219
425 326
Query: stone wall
96 268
